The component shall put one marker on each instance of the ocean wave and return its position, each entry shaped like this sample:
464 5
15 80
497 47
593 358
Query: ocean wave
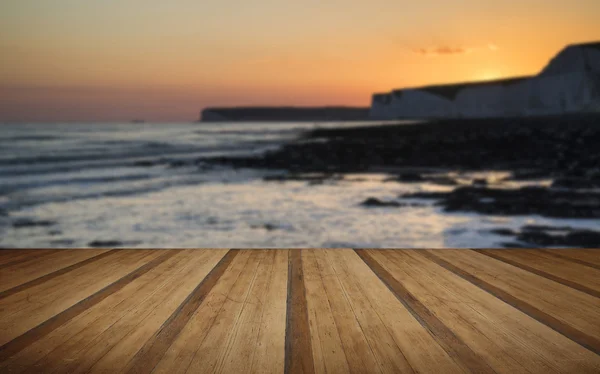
37 138
34 199
11 187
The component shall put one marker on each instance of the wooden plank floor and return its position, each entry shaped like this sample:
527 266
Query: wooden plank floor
299 311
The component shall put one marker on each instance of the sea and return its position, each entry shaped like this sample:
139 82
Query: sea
142 185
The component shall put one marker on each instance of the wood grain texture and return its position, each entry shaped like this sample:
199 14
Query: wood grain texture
92 321
589 257
398 341
328 352
151 353
23 256
19 342
298 352
211 353
18 279
507 283
576 276
453 345
499 333
269 352
108 349
359 355
184 349
301 310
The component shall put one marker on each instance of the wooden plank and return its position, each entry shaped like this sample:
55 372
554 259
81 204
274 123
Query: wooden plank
368 297
24 255
210 355
508 340
28 260
179 355
269 355
587 257
298 352
238 354
547 301
152 352
19 279
327 350
120 355
8 251
10 255
394 311
16 339
111 350
576 276
453 345
66 354
241 352
359 356
25 310
93 321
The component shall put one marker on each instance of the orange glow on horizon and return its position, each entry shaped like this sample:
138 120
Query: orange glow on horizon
159 61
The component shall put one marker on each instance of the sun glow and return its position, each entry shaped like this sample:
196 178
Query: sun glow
488 75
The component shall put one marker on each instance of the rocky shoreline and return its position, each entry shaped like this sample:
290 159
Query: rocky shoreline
562 149
545 146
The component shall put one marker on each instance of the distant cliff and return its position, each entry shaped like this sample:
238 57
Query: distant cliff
570 83
284 114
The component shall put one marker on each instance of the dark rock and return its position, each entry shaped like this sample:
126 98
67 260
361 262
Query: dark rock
562 147
373 202
503 232
105 243
480 182
563 144
23 223
545 228
54 232
593 174
212 221
513 245
550 236
425 195
266 226
145 163
524 201
583 238
443 181
524 175
540 238
576 183
410 178
311 178
177 164
575 238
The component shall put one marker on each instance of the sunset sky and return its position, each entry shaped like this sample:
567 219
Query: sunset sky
111 60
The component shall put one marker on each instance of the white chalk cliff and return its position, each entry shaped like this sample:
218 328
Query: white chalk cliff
570 83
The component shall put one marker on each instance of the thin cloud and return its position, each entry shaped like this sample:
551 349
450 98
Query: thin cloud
451 50
441 51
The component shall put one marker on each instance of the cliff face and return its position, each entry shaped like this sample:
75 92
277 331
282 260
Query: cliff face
569 83
284 114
